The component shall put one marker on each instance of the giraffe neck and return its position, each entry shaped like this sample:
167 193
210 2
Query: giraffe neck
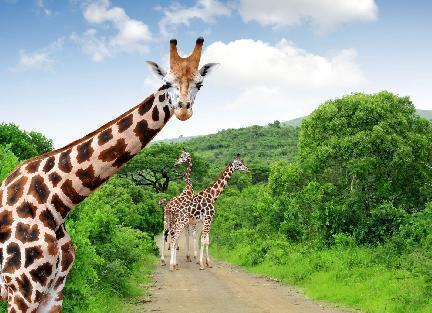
218 186
188 189
75 171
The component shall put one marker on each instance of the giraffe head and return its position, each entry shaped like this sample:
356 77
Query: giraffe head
184 157
183 78
238 165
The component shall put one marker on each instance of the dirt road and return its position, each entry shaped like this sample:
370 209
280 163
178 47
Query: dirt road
222 289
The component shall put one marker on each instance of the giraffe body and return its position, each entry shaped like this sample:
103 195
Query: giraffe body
172 205
36 253
200 208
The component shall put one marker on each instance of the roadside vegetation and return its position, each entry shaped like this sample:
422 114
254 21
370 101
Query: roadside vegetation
340 206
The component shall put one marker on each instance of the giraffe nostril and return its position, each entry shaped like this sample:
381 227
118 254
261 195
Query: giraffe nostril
180 104
188 105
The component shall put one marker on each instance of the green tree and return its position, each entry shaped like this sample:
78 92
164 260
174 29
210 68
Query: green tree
154 167
366 158
8 161
22 143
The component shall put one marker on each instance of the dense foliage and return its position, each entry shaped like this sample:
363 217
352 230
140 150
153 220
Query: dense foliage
112 232
258 145
22 143
154 167
351 209
342 201
8 161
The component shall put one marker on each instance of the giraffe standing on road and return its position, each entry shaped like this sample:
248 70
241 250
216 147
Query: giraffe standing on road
36 253
200 208
171 206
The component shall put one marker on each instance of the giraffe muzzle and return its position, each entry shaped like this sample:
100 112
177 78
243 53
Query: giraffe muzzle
183 114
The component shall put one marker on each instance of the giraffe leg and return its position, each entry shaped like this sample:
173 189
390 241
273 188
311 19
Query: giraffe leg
162 255
188 258
201 263
194 236
173 261
205 240
207 243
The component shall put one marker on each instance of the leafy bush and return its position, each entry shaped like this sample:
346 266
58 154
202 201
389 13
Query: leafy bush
22 143
113 233
8 161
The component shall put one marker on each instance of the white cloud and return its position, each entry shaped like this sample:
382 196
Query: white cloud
324 15
204 10
42 7
41 59
261 82
130 35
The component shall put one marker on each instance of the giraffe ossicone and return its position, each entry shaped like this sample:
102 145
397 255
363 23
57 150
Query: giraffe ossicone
36 253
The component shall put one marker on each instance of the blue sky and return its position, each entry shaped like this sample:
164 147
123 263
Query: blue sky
68 66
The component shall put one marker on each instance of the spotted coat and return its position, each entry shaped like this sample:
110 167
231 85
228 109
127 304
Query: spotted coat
36 253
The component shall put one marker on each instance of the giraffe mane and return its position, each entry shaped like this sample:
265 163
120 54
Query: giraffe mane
89 135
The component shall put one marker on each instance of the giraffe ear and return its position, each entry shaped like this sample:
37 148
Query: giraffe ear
207 68
156 69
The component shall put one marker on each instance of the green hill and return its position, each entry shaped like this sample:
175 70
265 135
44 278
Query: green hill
257 144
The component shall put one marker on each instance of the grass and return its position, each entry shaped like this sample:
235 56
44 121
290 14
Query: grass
138 285
346 276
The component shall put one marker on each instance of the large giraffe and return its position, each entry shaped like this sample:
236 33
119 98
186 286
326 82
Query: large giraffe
171 206
200 208
36 252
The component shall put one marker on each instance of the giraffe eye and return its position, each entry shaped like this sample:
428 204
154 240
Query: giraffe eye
199 85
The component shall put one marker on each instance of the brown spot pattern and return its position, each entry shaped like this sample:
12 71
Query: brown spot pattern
32 254
21 304
13 261
25 287
112 153
105 136
125 157
144 133
155 113
38 189
125 123
88 179
5 225
49 164
68 255
85 151
60 232
71 193
27 233
54 178
42 273
47 219
162 97
52 244
15 190
32 167
65 162
59 282
27 210
167 112
60 206
12 176
146 105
